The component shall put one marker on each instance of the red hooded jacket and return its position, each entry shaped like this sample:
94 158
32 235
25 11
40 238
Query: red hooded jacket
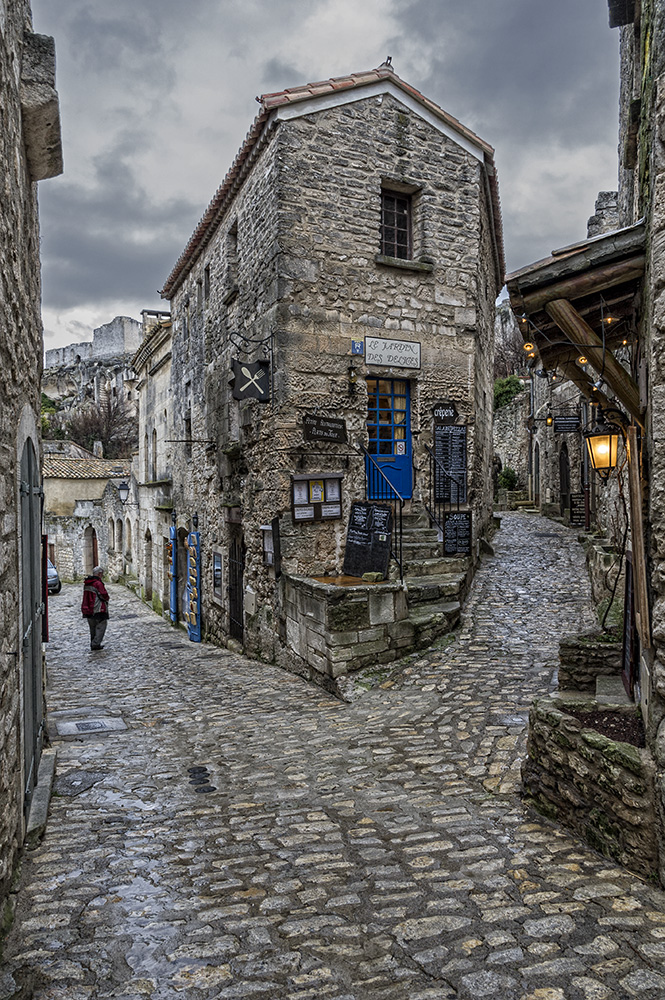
95 597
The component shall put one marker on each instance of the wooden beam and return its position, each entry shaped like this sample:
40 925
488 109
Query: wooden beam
580 333
584 384
589 281
637 541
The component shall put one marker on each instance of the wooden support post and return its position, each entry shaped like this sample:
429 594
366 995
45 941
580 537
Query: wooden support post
582 381
580 333
637 541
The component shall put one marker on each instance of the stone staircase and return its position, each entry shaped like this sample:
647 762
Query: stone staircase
436 585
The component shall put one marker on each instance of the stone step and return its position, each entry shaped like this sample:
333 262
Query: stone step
414 520
425 589
434 567
611 691
412 550
432 620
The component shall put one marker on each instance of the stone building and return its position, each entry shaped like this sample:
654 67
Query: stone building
152 468
337 295
594 312
30 151
82 533
93 371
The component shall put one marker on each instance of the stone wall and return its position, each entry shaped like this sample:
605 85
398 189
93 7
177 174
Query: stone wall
334 631
648 197
512 439
111 340
24 159
601 789
292 275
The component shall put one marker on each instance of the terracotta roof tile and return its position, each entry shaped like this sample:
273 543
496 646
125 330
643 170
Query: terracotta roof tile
54 467
293 95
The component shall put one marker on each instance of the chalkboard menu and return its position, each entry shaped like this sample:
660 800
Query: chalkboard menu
368 539
457 532
450 452
577 510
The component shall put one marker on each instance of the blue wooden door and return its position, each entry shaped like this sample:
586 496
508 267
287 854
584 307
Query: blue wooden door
389 430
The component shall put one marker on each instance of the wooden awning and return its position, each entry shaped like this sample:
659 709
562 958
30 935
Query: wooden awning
581 302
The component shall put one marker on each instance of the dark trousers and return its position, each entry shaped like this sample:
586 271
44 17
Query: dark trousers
97 630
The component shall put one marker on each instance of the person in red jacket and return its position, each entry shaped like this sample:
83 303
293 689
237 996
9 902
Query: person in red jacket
94 606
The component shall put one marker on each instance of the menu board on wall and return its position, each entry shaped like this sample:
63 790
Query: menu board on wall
450 452
457 533
368 539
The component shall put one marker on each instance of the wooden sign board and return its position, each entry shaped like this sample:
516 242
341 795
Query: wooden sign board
567 424
368 539
450 450
320 428
457 533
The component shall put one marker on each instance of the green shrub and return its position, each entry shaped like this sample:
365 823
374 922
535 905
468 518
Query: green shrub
505 390
507 478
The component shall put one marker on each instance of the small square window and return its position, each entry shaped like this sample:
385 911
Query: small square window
396 225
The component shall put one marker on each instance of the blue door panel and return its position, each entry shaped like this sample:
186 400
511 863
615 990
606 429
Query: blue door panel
389 431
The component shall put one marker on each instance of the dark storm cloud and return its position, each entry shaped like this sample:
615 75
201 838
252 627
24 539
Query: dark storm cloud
523 69
108 242
537 79
157 95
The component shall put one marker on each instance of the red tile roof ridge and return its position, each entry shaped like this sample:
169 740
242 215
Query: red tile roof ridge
304 92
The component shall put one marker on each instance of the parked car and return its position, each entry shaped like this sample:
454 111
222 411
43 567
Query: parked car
54 585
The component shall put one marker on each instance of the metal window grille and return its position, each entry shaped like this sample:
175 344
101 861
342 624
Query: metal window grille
396 225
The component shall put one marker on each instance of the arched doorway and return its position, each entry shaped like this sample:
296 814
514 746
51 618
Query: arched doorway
536 475
31 601
90 553
148 565
564 479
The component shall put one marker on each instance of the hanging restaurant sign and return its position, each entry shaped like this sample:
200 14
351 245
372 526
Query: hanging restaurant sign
567 424
251 380
193 589
395 353
320 428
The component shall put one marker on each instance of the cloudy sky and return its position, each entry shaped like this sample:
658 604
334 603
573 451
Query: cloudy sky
157 95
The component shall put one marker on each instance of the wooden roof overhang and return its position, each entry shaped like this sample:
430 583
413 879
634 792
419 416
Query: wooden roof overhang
582 301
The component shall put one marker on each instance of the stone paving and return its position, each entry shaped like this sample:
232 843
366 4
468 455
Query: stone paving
348 851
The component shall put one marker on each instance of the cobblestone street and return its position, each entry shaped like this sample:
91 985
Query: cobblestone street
350 851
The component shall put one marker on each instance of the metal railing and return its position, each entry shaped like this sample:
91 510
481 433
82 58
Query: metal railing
378 487
445 491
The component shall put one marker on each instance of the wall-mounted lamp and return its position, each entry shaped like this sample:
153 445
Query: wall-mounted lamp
353 378
549 420
582 360
529 346
195 521
603 442
174 517
123 494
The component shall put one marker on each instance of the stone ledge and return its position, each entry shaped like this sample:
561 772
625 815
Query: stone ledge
41 798
405 265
